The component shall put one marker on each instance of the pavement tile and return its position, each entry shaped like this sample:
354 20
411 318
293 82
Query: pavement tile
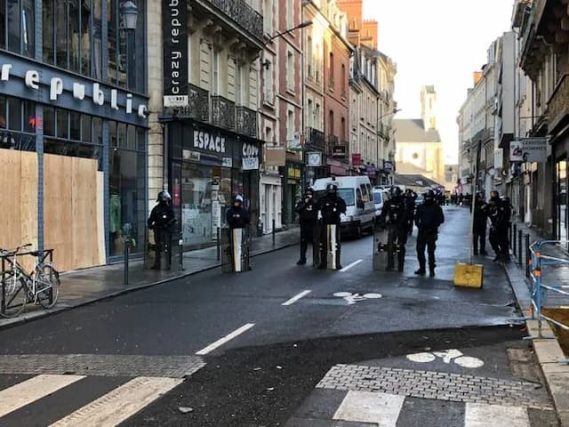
548 351
558 384
300 422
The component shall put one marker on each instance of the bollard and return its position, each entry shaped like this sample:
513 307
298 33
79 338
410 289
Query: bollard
528 256
218 243
520 237
515 233
126 253
274 231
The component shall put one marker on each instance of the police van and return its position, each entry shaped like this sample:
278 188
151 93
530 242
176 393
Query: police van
358 195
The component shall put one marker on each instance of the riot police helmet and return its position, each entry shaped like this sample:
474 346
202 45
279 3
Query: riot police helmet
163 196
309 192
332 189
429 196
238 199
396 191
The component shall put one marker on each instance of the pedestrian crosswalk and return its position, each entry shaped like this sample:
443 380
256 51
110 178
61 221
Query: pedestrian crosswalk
109 409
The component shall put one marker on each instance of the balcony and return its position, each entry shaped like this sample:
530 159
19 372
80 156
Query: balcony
222 112
557 106
198 105
246 121
238 14
315 140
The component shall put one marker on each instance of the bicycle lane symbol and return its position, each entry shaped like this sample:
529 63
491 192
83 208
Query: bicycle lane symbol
352 298
448 357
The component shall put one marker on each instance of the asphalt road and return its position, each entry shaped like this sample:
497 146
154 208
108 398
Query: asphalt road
262 358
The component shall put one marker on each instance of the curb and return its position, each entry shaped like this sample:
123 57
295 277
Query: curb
32 316
546 346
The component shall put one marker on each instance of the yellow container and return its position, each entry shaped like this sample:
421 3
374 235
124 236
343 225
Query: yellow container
469 275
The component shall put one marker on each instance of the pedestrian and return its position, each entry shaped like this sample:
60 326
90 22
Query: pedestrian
460 199
161 221
480 224
394 217
410 205
308 215
331 207
499 212
428 219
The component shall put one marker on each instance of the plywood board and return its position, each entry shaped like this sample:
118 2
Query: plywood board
101 217
10 198
58 233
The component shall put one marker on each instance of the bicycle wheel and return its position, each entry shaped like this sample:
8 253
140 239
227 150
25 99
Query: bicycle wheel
47 286
13 296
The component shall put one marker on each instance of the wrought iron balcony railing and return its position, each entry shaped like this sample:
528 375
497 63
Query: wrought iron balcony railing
222 112
315 140
198 106
246 121
243 15
558 106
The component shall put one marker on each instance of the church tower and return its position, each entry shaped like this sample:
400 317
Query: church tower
428 107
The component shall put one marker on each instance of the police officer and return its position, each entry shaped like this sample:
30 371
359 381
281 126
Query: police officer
499 212
410 205
331 207
161 221
394 217
308 215
480 223
237 216
428 219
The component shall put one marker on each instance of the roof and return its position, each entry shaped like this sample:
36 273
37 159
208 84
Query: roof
414 181
413 130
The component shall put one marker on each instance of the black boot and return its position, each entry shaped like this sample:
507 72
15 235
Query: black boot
301 261
432 272
420 272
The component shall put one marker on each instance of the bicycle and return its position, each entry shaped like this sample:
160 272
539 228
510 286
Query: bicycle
19 287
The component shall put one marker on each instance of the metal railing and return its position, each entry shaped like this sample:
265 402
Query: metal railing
540 291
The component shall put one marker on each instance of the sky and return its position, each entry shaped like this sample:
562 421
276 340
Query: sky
438 42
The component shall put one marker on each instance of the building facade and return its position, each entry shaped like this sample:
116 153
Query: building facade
73 127
207 111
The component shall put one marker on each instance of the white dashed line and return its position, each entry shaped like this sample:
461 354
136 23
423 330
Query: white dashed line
296 298
353 264
225 339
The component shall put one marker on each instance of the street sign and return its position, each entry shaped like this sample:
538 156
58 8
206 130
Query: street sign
356 159
534 149
275 155
516 151
314 159
339 151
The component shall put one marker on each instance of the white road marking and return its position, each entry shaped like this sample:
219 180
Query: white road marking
373 296
481 415
343 294
368 407
225 339
421 357
353 264
123 402
469 362
296 298
35 388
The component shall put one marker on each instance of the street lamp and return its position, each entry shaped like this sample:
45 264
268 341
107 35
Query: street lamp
298 27
130 15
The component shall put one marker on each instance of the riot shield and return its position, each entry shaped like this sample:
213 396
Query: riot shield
380 248
316 244
329 246
235 250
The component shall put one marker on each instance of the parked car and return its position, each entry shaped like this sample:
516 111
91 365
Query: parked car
358 195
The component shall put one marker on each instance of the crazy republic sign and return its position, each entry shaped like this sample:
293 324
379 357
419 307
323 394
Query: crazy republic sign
175 34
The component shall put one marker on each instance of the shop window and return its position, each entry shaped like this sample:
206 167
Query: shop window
14 114
97 130
30 121
49 121
130 138
62 129
61 37
75 126
3 24
3 113
86 128
48 27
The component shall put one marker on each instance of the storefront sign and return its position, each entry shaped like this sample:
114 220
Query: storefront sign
250 155
498 158
209 142
79 90
516 151
387 166
534 149
175 36
294 172
371 171
339 151
356 159
314 159
275 155
227 162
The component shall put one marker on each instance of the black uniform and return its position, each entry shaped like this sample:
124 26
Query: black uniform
428 218
500 213
237 217
161 221
480 223
307 210
410 205
331 207
394 217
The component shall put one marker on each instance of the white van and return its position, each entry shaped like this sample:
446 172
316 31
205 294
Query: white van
357 193
380 196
